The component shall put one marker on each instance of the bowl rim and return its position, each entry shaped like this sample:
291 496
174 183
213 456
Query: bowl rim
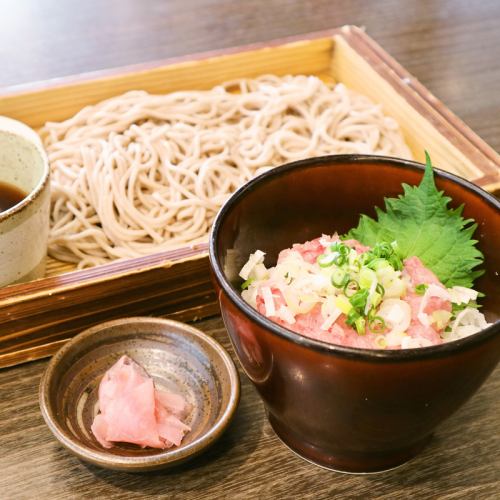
165 458
389 355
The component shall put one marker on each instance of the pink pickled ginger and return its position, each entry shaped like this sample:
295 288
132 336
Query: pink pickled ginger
132 410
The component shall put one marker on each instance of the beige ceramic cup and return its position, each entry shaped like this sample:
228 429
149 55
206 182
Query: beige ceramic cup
24 228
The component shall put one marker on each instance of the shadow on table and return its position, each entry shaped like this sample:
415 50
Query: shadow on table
454 459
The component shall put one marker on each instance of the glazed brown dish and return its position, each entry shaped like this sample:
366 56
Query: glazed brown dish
349 409
179 357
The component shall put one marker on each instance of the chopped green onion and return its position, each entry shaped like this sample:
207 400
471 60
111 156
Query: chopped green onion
352 316
327 259
376 298
247 283
350 288
340 260
380 289
339 278
377 324
341 252
340 248
380 252
360 324
366 258
396 262
421 288
356 265
383 250
355 317
358 300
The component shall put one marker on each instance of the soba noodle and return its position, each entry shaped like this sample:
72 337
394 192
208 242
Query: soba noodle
141 173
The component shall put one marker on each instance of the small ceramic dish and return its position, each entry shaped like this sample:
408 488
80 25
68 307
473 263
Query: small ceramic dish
180 358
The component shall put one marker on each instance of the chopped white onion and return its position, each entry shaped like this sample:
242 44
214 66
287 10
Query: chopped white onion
394 339
253 260
250 295
396 313
396 288
299 303
462 295
267 295
371 291
409 342
330 312
319 281
286 315
464 331
472 319
325 241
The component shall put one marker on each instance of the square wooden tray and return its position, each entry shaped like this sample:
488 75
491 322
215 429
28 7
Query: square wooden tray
37 317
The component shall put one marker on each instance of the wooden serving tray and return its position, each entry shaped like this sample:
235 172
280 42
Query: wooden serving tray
37 317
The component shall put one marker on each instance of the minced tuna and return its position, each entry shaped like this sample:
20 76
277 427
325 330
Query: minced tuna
345 293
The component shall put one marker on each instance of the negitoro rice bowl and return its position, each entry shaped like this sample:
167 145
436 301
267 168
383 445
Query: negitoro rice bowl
353 408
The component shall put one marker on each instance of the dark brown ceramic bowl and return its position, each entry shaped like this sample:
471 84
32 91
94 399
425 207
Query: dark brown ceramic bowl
348 409
179 357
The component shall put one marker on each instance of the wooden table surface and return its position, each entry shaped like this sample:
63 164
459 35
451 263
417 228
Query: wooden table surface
451 46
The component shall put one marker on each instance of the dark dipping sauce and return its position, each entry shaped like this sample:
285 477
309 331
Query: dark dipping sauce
10 195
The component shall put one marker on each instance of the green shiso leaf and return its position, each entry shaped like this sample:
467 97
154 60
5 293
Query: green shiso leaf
422 225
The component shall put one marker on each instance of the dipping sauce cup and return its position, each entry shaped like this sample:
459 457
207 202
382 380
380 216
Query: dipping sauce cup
24 203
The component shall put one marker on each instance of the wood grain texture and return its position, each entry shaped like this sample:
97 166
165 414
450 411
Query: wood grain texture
462 461
451 46
30 323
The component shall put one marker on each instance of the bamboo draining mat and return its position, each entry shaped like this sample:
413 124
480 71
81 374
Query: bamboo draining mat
37 318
